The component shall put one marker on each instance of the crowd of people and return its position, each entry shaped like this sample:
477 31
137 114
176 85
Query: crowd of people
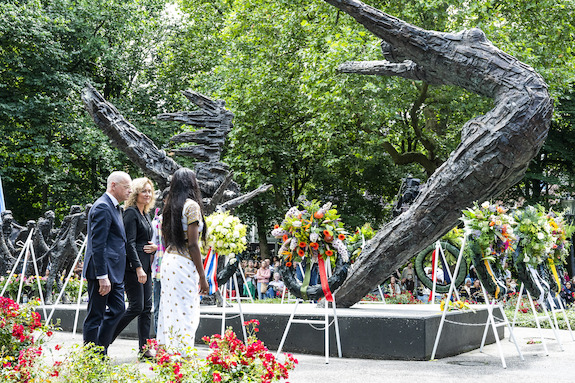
261 279
406 281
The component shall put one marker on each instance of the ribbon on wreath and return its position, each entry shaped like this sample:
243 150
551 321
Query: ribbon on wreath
490 272
433 260
211 270
554 271
305 282
324 281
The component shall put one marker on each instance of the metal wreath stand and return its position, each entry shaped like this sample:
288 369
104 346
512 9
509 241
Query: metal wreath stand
491 304
316 292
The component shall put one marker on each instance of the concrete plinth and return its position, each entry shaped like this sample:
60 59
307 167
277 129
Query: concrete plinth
369 331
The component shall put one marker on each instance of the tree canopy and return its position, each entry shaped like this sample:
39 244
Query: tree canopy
299 124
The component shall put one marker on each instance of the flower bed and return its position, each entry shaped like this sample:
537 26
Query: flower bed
30 287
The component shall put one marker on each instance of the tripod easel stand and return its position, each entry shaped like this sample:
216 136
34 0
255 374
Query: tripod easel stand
490 319
222 315
27 250
325 322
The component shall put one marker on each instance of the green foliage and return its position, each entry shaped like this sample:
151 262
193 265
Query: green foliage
490 228
534 233
357 240
52 155
299 125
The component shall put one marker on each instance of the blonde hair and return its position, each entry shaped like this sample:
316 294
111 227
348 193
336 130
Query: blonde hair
137 186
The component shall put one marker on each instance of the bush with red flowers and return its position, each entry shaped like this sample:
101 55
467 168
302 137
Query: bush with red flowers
21 336
231 360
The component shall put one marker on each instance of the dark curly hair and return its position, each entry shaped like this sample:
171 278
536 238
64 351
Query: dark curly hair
184 185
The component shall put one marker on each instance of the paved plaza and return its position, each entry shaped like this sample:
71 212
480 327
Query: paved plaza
470 367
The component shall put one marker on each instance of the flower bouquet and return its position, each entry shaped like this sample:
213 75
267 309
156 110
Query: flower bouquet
535 244
491 240
226 234
535 235
314 234
491 230
560 231
458 305
356 241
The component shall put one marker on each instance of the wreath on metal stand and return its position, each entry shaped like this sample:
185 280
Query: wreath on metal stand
227 237
490 238
314 235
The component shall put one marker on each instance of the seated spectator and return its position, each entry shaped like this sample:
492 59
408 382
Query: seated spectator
511 286
567 294
465 291
393 288
477 293
275 287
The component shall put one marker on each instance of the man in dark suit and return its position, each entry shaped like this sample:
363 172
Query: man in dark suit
105 262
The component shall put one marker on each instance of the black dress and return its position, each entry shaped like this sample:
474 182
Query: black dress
139 233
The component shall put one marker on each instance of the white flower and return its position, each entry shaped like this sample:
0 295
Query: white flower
293 244
485 205
297 224
313 237
540 236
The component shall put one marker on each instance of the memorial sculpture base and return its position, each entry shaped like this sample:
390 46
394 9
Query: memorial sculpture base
368 331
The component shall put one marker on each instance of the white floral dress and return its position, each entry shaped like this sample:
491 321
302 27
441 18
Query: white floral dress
179 314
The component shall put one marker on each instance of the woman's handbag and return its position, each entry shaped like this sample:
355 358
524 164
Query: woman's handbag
264 287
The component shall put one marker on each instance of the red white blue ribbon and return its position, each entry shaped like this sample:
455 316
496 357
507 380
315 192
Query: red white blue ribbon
211 270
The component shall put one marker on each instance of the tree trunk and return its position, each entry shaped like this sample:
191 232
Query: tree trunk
259 212
495 149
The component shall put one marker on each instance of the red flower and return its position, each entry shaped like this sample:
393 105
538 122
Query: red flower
341 237
300 252
216 377
302 245
329 253
285 237
49 333
276 226
58 347
288 264
314 245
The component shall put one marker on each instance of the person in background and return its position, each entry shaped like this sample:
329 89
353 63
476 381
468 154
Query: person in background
476 292
408 278
393 287
567 294
250 273
140 252
157 265
465 291
105 262
263 278
183 276
276 287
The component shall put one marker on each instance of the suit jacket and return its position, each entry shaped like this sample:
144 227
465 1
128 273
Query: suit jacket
106 248
138 233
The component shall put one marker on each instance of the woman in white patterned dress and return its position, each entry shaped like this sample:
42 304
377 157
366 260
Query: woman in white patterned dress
183 279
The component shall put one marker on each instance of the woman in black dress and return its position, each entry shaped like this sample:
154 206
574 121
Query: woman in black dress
140 252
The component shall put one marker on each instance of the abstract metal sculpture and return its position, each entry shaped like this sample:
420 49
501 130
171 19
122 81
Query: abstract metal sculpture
495 148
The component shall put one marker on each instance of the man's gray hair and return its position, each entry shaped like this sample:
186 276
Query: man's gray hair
117 177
